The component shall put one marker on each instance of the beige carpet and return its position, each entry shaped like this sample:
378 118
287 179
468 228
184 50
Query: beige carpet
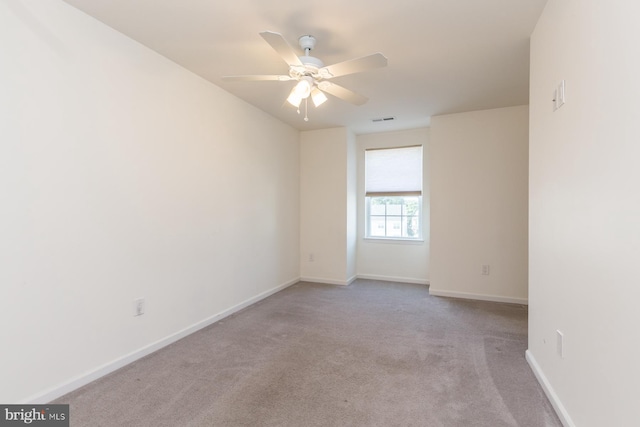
370 354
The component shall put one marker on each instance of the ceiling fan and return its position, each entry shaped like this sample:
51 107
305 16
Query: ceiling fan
311 73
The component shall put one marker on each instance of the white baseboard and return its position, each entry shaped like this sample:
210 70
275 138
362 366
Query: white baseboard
482 297
107 368
327 281
393 279
548 390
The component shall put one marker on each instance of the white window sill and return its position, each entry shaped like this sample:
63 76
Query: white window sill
397 240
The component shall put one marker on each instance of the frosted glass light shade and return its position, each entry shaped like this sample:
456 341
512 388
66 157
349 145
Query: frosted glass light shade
318 97
294 99
303 88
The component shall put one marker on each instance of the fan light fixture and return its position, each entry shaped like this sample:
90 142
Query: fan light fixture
301 91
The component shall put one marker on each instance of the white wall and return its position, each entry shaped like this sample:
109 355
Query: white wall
393 260
585 210
123 175
325 236
479 204
352 206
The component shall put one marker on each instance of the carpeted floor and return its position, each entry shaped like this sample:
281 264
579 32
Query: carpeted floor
369 354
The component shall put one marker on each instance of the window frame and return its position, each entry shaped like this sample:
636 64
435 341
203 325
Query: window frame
396 192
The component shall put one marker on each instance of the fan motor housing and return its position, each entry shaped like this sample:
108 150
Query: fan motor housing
307 42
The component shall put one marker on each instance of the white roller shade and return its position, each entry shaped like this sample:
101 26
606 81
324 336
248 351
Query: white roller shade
393 172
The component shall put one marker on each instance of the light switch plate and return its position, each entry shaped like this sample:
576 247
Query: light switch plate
561 97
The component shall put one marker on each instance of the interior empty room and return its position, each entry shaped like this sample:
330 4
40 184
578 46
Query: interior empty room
318 213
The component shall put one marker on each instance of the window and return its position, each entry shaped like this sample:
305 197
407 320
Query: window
393 190
394 217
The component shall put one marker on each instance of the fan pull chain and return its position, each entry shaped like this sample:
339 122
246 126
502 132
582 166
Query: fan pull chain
306 109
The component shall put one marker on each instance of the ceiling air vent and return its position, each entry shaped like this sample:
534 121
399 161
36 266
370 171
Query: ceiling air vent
383 119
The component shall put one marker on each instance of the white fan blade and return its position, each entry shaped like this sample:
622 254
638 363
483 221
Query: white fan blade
365 63
342 93
280 45
257 78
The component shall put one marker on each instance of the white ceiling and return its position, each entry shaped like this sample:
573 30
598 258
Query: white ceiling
445 56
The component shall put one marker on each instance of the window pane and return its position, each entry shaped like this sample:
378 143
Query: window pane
410 227
411 205
394 209
394 227
377 208
377 226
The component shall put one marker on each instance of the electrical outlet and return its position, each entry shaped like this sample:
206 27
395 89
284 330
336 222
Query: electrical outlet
485 270
560 343
138 307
